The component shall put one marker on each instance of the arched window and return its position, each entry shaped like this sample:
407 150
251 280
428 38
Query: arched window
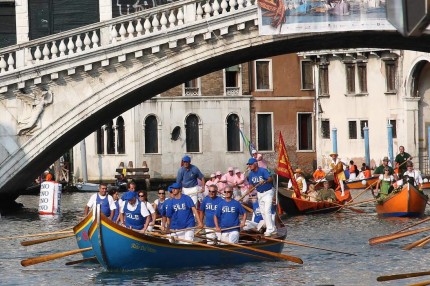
110 134
120 135
100 134
233 136
151 134
192 133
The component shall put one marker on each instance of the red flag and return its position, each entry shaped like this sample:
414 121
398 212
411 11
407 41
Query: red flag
284 166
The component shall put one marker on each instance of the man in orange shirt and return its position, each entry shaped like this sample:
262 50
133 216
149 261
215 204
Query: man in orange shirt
319 174
48 176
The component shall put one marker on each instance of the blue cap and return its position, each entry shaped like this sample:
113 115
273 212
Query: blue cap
169 188
251 161
128 196
186 159
176 186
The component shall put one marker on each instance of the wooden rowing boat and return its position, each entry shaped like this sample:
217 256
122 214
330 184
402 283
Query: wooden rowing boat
81 234
361 184
405 202
293 206
119 248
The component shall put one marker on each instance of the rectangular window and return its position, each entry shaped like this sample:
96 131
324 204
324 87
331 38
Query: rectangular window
304 126
232 80
325 129
263 74
352 129
390 73
265 132
363 123
7 24
350 78
191 88
323 80
362 77
307 75
394 129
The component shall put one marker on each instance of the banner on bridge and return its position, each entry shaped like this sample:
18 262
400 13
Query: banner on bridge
310 16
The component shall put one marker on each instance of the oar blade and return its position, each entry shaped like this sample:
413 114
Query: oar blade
45 258
74 262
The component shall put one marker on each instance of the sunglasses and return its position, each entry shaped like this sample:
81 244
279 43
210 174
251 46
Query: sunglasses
228 192
161 193
212 191
141 196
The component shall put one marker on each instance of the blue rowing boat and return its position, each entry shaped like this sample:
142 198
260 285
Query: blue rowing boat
119 248
81 234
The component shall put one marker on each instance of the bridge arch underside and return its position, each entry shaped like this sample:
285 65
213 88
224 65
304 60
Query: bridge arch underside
129 83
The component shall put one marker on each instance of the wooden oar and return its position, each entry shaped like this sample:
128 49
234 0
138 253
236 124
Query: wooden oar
348 207
362 192
45 258
42 240
184 229
424 243
389 237
422 283
416 243
36 234
297 244
248 209
266 252
250 191
402 276
210 246
81 261
412 225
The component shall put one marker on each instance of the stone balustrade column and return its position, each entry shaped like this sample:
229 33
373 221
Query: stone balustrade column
105 7
190 11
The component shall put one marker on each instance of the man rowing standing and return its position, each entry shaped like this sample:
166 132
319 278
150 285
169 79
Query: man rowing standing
260 179
187 176
401 159
180 214
229 214
336 166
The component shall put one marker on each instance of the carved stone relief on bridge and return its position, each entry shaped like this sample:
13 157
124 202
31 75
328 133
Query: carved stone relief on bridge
32 104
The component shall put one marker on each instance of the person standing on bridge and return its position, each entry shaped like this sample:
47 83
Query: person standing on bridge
187 177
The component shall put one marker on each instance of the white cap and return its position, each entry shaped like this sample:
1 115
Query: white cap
237 171
230 169
253 151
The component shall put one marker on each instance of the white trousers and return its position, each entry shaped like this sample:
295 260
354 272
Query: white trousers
187 234
231 236
265 202
192 192
210 233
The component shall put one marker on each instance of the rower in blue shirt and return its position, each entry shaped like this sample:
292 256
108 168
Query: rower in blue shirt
261 180
181 214
188 176
208 209
229 213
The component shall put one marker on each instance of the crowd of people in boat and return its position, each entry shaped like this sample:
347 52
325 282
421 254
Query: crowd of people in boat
217 205
389 178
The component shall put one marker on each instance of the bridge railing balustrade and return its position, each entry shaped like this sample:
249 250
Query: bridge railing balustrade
111 32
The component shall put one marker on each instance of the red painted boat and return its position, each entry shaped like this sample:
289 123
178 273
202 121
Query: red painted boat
406 202
362 184
293 206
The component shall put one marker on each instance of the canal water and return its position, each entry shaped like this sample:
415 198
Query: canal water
346 231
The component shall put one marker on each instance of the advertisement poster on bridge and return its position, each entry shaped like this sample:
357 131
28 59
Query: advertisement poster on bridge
309 16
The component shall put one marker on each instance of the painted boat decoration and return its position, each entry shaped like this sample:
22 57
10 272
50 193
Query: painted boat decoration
119 248
362 184
404 202
294 206
81 234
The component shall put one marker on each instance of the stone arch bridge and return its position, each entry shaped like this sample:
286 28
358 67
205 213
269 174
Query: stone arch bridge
56 90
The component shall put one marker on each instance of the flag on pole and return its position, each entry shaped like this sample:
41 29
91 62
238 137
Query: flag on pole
284 166
247 142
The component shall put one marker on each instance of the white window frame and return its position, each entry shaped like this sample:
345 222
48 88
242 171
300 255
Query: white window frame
239 81
270 75
199 86
273 130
